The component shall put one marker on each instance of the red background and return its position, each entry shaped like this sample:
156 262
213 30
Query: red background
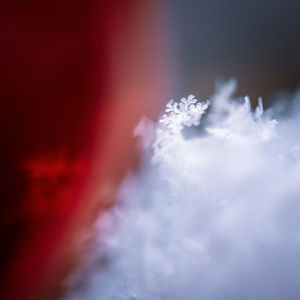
75 78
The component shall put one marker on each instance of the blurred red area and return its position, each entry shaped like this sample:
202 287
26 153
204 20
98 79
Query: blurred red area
72 79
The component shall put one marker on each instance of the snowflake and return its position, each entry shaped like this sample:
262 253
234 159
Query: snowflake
187 112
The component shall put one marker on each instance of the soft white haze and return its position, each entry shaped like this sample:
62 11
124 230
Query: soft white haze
214 213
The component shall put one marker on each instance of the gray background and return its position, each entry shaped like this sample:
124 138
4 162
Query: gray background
256 41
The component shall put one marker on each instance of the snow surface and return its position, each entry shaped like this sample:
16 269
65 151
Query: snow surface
211 215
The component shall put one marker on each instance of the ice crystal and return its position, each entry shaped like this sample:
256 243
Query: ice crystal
244 125
241 122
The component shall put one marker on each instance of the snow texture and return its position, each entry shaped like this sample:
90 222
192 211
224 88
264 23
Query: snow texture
215 216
